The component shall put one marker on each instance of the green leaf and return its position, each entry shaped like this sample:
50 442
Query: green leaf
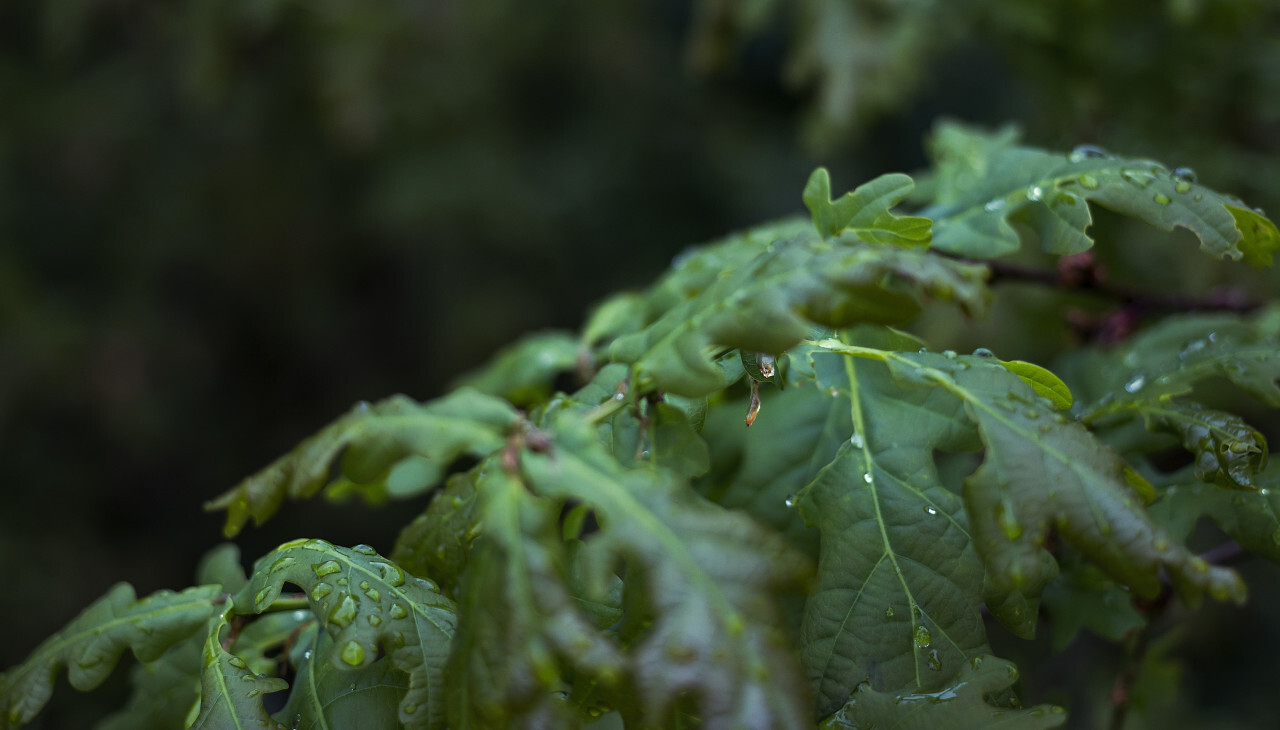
438 541
989 189
165 691
519 623
1170 358
268 635
231 694
702 583
1084 598
1228 451
1250 518
866 212
375 442
327 698
367 605
91 644
221 565
961 705
524 373
1044 383
899 579
768 303
1042 471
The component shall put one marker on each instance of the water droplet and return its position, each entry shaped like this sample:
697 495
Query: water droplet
342 581
934 662
866 477
994 205
320 591
1138 177
857 440
373 594
1013 675
328 567
1035 192
790 501
409 708
262 595
1161 199
1087 152
975 662
1185 174
282 563
398 611
1197 197
916 612
983 352
307 655
923 636
922 351
317 545
1182 186
1054 709
949 354
237 662
1135 383
364 549
644 454
1264 492
1089 182
375 619
930 509
397 640
888 612
1031 413
353 653
391 574
344 613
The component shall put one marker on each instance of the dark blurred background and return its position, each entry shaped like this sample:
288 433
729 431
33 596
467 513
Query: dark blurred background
222 222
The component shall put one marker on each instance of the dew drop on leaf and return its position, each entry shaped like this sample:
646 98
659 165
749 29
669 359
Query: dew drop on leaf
857 440
923 636
364 549
888 612
934 662
949 354
866 477
983 352
1182 186
1087 152
1161 199
994 205
1088 182
320 591
1185 174
398 611
353 653
1035 192
930 509
328 567
1135 383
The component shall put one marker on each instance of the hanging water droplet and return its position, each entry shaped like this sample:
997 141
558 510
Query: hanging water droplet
353 653
857 440
790 501
1135 383
768 365
930 509
1161 199
1035 192
866 477
1087 152
1089 182
994 205
923 636
983 352
1185 174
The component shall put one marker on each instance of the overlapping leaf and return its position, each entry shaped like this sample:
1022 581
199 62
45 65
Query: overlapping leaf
524 373
91 644
231 694
703 577
1084 598
961 705
368 606
866 212
988 188
1043 471
767 304
438 541
520 627
899 579
1250 518
324 697
396 447
165 691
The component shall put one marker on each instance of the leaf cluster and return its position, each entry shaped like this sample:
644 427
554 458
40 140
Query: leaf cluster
626 545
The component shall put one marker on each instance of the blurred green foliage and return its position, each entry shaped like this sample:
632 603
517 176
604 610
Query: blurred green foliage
223 222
